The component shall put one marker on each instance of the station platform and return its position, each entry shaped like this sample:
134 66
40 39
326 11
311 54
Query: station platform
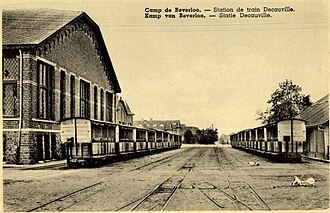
35 166
316 159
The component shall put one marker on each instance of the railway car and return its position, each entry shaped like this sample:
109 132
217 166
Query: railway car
284 140
89 141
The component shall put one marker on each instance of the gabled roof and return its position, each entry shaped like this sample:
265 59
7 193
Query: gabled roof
129 111
126 107
34 25
318 113
30 28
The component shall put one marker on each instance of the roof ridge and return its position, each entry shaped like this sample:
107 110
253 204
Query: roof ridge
41 9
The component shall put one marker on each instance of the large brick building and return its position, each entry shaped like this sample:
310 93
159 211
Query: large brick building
55 66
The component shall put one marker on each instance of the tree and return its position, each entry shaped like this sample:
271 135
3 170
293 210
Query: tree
188 136
207 136
263 116
286 102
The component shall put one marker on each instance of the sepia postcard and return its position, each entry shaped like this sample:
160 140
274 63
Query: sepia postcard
120 105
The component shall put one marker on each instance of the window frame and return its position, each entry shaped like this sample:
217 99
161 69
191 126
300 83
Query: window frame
72 95
95 102
109 106
84 99
62 94
45 90
15 111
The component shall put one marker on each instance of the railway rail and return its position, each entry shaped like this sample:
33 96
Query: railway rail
66 201
159 198
167 189
204 178
161 161
243 185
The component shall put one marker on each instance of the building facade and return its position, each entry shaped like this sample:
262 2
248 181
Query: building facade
317 128
173 126
124 114
184 128
55 66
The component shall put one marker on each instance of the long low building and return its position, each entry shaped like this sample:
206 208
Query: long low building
55 66
317 128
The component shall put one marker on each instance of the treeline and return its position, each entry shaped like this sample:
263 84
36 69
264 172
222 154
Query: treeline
204 136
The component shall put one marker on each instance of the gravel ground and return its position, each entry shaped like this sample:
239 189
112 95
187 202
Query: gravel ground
193 178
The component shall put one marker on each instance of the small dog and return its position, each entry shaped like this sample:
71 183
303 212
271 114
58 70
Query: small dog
298 182
251 163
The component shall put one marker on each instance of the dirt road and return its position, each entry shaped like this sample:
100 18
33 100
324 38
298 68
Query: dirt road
192 178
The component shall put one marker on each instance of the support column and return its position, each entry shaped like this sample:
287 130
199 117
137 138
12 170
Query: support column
256 140
134 139
156 143
117 139
50 146
43 148
147 140
265 136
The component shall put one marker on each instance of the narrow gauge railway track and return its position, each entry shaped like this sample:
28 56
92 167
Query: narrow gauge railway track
161 195
191 162
232 158
232 198
242 185
161 161
224 156
66 201
208 197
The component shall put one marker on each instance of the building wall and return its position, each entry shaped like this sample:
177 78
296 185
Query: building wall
318 142
75 54
122 116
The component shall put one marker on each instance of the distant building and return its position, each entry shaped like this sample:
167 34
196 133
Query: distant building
164 125
317 127
184 128
224 139
124 114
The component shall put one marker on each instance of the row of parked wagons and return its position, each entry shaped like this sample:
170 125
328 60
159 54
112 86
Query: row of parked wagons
89 142
284 140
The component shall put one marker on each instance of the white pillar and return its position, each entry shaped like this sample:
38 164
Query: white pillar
134 134
50 146
43 147
117 134
256 139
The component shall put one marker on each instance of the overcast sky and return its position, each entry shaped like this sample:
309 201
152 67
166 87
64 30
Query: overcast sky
209 71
